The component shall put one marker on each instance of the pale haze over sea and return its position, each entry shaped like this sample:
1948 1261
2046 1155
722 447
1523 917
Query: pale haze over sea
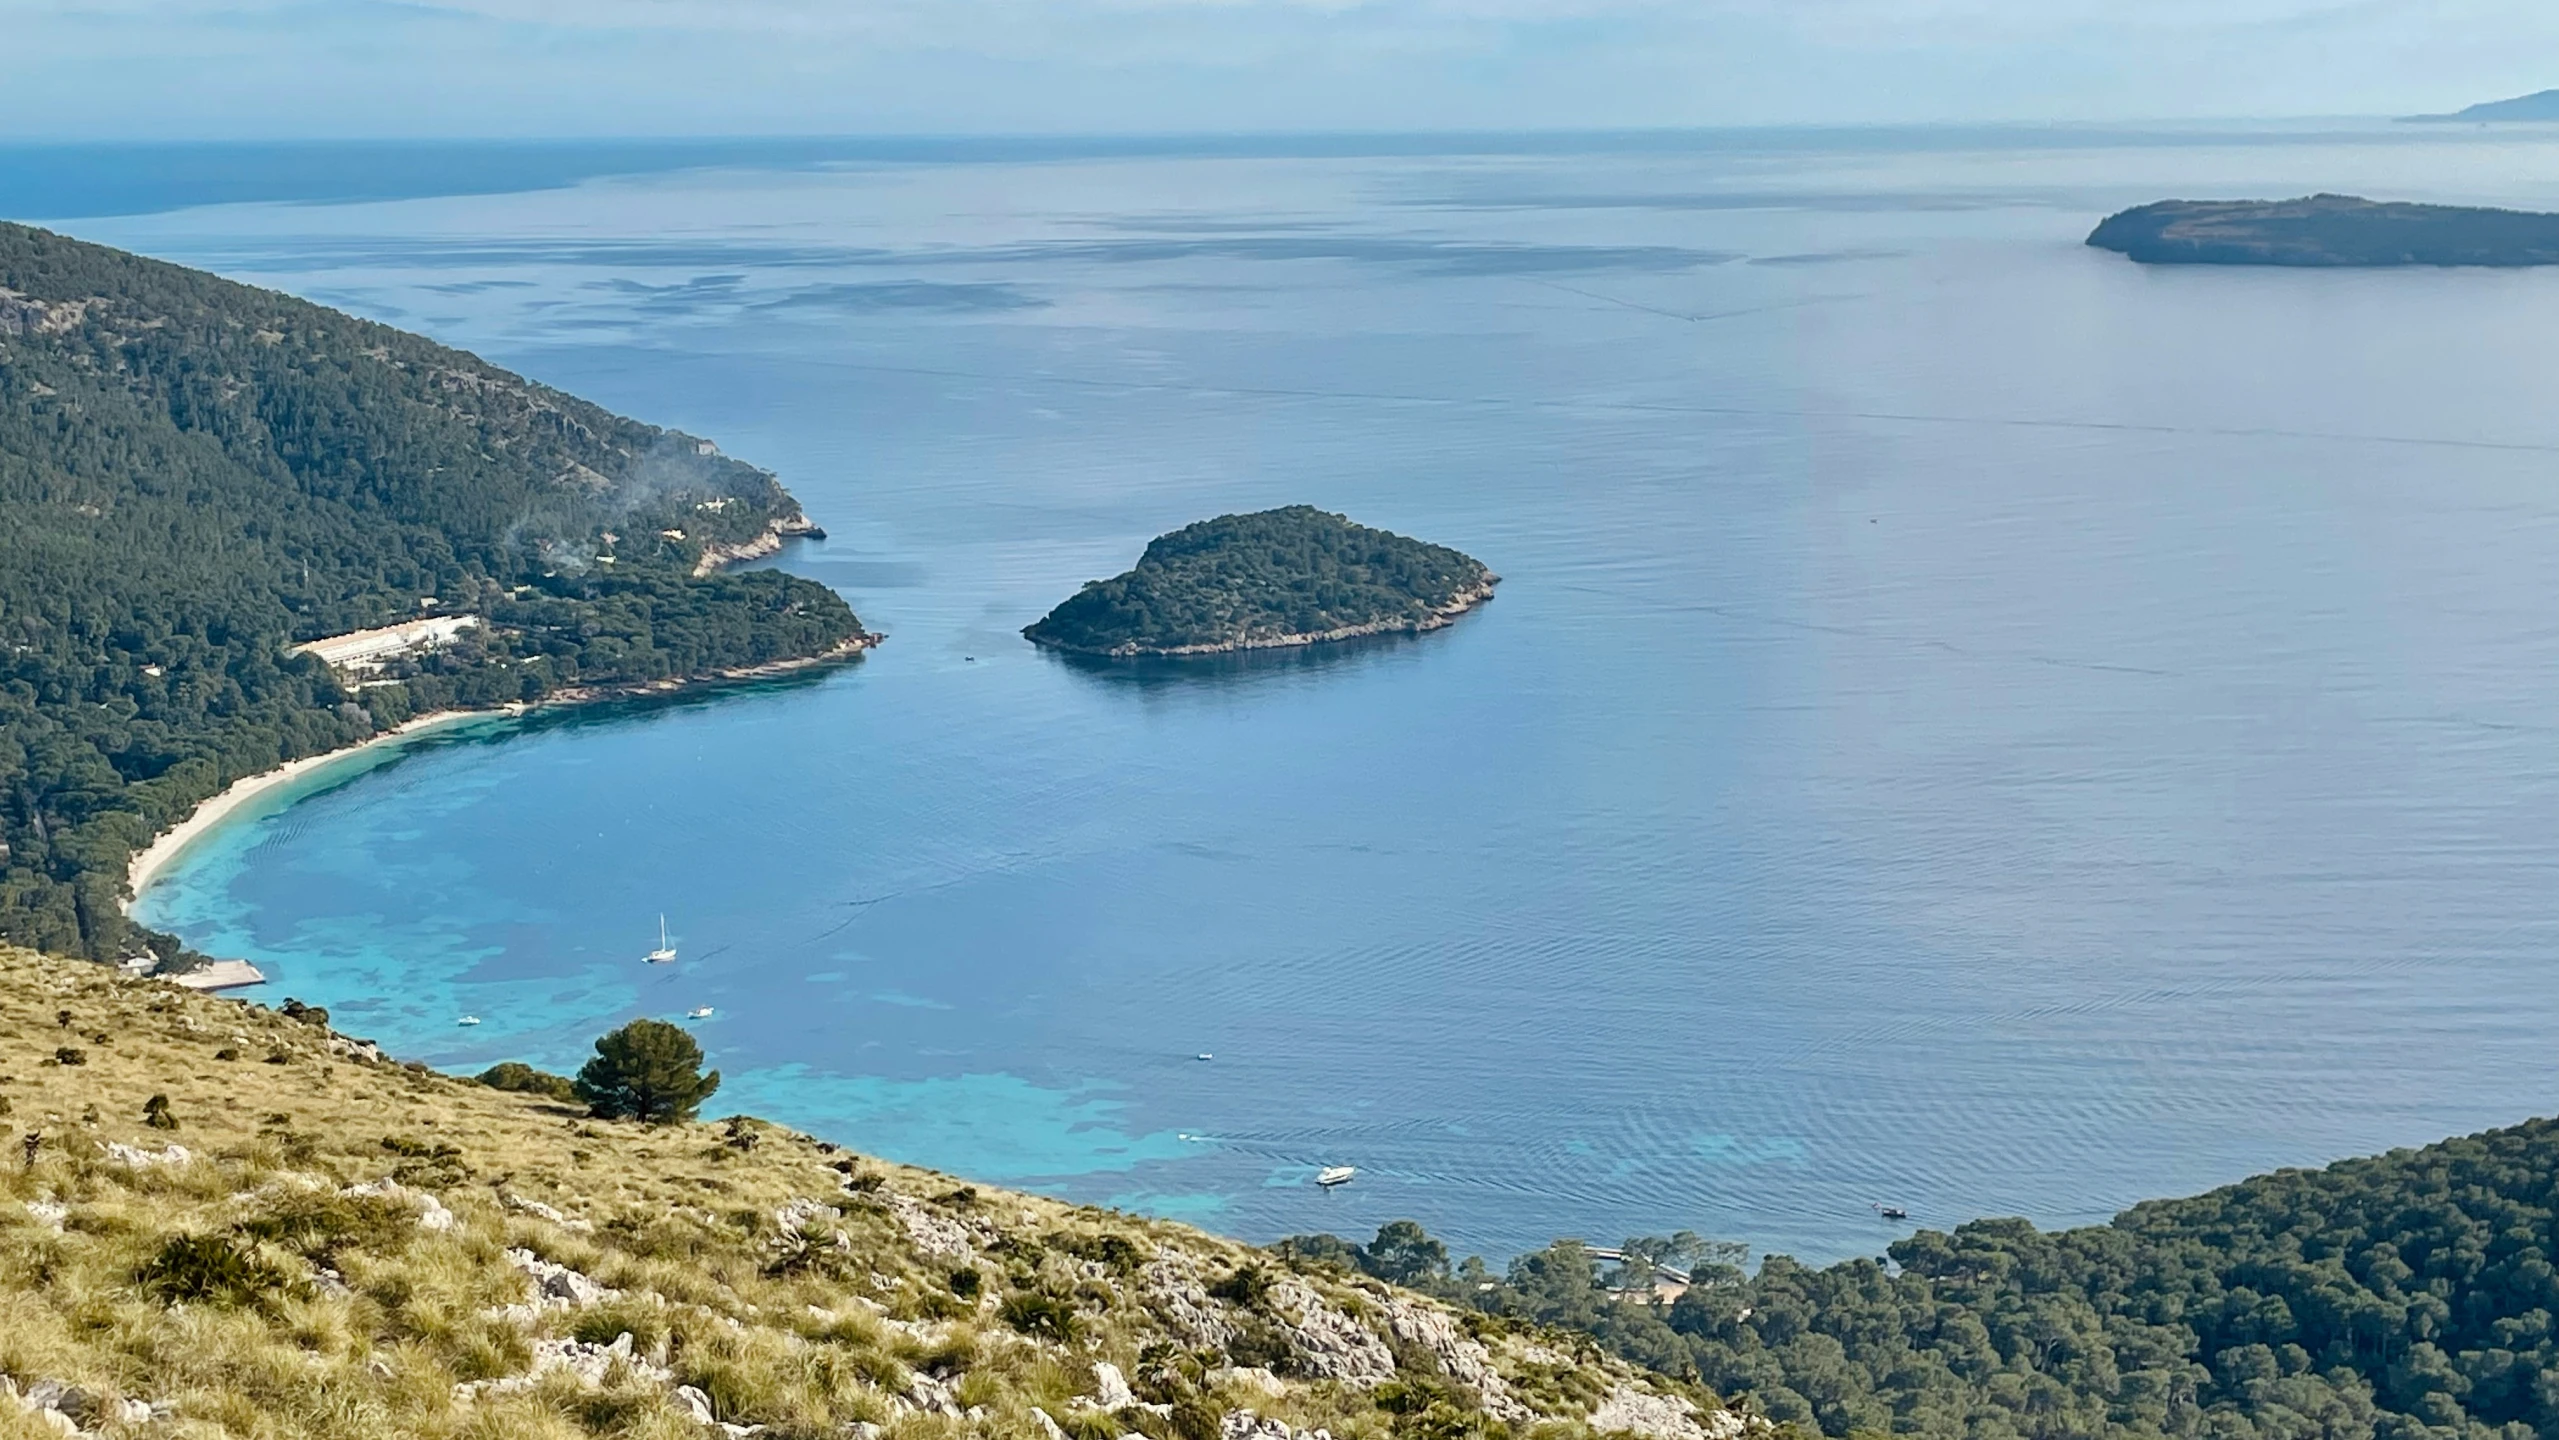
1970 723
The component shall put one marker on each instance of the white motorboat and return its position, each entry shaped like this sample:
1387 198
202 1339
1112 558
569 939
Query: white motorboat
698 1012
1332 1175
665 953
468 1020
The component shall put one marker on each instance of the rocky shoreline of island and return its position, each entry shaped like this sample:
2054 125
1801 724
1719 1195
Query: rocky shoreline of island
1266 580
1438 618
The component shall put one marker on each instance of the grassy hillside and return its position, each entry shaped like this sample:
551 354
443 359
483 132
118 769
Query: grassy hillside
353 1248
1276 577
196 474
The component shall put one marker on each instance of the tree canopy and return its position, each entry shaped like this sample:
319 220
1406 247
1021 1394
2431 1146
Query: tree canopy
1272 577
197 475
648 1071
2407 1296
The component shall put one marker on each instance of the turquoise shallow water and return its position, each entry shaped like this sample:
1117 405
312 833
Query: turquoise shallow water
1969 723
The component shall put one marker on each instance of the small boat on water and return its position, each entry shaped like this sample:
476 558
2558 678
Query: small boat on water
665 953
1332 1175
698 1012
1891 1212
468 1020
1204 1055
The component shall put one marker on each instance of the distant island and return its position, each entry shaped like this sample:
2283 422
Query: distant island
2540 105
1292 576
2328 230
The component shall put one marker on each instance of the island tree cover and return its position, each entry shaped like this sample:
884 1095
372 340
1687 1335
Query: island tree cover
2408 1296
1275 577
2328 230
195 475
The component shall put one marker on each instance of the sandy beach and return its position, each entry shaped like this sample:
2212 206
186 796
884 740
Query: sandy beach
151 860
156 857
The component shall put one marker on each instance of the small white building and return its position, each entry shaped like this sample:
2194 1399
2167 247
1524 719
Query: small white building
366 649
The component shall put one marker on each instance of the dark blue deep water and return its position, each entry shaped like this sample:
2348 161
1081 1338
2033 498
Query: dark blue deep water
1970 723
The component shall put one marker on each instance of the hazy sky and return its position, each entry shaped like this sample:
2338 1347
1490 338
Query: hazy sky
659 67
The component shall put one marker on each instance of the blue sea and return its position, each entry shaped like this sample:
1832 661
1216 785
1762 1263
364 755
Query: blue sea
1970 723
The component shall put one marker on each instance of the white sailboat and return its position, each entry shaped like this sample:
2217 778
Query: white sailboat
665 953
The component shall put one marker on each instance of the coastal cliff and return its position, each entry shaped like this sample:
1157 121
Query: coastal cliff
767 541
2328 231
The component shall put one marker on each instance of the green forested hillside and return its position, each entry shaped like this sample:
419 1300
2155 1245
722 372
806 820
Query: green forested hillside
2405 1296
195 474
1275 577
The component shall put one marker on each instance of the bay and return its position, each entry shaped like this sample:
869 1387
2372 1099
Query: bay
1970 723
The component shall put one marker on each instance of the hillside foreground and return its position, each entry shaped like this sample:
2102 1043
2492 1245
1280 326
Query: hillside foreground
330 1243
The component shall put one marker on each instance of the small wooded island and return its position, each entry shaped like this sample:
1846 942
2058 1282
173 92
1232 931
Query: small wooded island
1292 576
2328 230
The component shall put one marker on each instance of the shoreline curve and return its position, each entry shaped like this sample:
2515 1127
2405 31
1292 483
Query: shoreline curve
1439 618
164 849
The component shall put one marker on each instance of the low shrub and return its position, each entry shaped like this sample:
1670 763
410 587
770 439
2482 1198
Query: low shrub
1039 1315
207 1270
517 1076
1248 1286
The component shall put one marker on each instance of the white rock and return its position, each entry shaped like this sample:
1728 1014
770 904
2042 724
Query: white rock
862 1430
1049 1428
433 1216
936 1235
800 1212
431 1212
135 1157
1329 1344
1661 1417
555 1287
695 1401
49 1213
931 1396
590 1363
540 1211
1110 1387
1245 1425
1460 1357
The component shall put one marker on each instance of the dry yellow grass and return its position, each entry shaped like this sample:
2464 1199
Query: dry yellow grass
355 1248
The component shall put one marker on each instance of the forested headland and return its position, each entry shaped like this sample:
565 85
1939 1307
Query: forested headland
1292 576
2407 1296
196 475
